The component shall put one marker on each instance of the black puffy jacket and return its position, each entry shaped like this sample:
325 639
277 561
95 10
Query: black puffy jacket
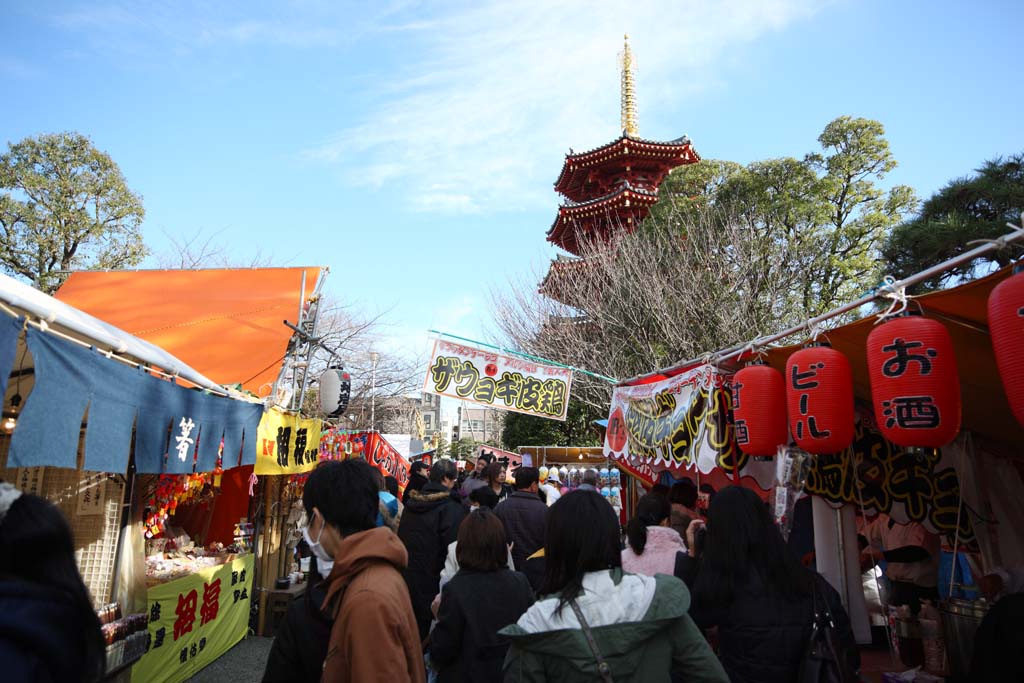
430 522
763 635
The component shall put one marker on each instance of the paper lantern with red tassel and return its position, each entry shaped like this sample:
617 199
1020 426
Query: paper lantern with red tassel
915 386
759 409
1006 327
819 394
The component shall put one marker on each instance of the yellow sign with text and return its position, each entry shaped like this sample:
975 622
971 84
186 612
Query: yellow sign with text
286 444
194 620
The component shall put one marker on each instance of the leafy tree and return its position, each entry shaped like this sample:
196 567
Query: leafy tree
970 208
577 430
463 449
64 205
823 218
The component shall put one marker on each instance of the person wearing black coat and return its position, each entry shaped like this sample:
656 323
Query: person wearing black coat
481 599
416 481
430 523
300 642
524 515
748 583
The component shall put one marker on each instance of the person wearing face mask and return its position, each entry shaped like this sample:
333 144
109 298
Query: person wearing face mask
300 642
356 623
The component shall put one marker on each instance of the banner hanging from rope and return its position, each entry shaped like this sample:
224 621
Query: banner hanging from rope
680 423
287 444
498 380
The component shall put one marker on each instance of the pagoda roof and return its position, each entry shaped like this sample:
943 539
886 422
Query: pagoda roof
563 231
577 166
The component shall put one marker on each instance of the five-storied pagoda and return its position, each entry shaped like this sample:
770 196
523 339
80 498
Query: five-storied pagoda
610 189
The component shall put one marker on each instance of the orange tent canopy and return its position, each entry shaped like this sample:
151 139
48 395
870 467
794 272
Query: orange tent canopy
225 323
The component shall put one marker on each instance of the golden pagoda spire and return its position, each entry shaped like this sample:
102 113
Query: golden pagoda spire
628 117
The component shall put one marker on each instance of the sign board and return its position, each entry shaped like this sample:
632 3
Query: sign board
194 620
286 444
498 381
372 447
909 487
512 461
30 479
92 496
680 423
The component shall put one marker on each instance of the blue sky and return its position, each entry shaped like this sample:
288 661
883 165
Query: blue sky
412 146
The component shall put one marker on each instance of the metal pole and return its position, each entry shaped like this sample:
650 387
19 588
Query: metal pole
838 517
374 357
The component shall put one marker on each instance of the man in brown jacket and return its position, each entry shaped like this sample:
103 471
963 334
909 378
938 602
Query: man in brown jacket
374 636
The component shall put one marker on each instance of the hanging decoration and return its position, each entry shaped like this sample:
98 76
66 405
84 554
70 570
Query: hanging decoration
171 491
915 386
819 394
1006 327
335 389
759 409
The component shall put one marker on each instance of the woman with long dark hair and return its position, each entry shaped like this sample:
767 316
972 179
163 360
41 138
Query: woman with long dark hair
595 622
652 545
49 630
746 581
484 596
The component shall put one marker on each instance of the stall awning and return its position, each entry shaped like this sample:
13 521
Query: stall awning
227 323
75 388
75 322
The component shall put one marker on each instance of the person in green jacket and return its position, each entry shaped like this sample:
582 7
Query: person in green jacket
639 624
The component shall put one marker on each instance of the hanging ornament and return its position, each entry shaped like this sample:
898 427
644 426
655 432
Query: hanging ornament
915 386
759 409
335 388
1006 327
819 394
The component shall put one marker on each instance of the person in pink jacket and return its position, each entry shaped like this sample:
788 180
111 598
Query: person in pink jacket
652 543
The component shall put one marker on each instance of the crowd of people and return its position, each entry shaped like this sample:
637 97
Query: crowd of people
486 582
481 581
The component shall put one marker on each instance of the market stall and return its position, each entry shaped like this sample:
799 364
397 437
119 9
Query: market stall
86 405
916 416
202 523
618 487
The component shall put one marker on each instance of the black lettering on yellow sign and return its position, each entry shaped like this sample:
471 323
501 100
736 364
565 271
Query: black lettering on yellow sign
661 426
886 475
513 389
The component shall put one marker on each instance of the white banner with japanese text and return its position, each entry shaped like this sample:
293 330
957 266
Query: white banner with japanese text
680 423
498 380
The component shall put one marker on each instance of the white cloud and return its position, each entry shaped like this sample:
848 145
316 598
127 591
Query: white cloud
494 93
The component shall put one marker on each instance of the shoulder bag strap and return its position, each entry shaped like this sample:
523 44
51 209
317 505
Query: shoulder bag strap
602 666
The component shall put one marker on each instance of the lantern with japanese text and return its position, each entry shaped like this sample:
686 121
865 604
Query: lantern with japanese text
335 387
915 387
1006 327
759 409
819 394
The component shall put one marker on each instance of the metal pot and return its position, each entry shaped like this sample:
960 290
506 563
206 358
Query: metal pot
960 621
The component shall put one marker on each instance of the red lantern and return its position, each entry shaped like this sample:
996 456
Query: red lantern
759 409
915 386
1006 327
819 394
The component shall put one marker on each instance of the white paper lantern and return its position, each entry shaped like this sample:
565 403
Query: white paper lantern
335 385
